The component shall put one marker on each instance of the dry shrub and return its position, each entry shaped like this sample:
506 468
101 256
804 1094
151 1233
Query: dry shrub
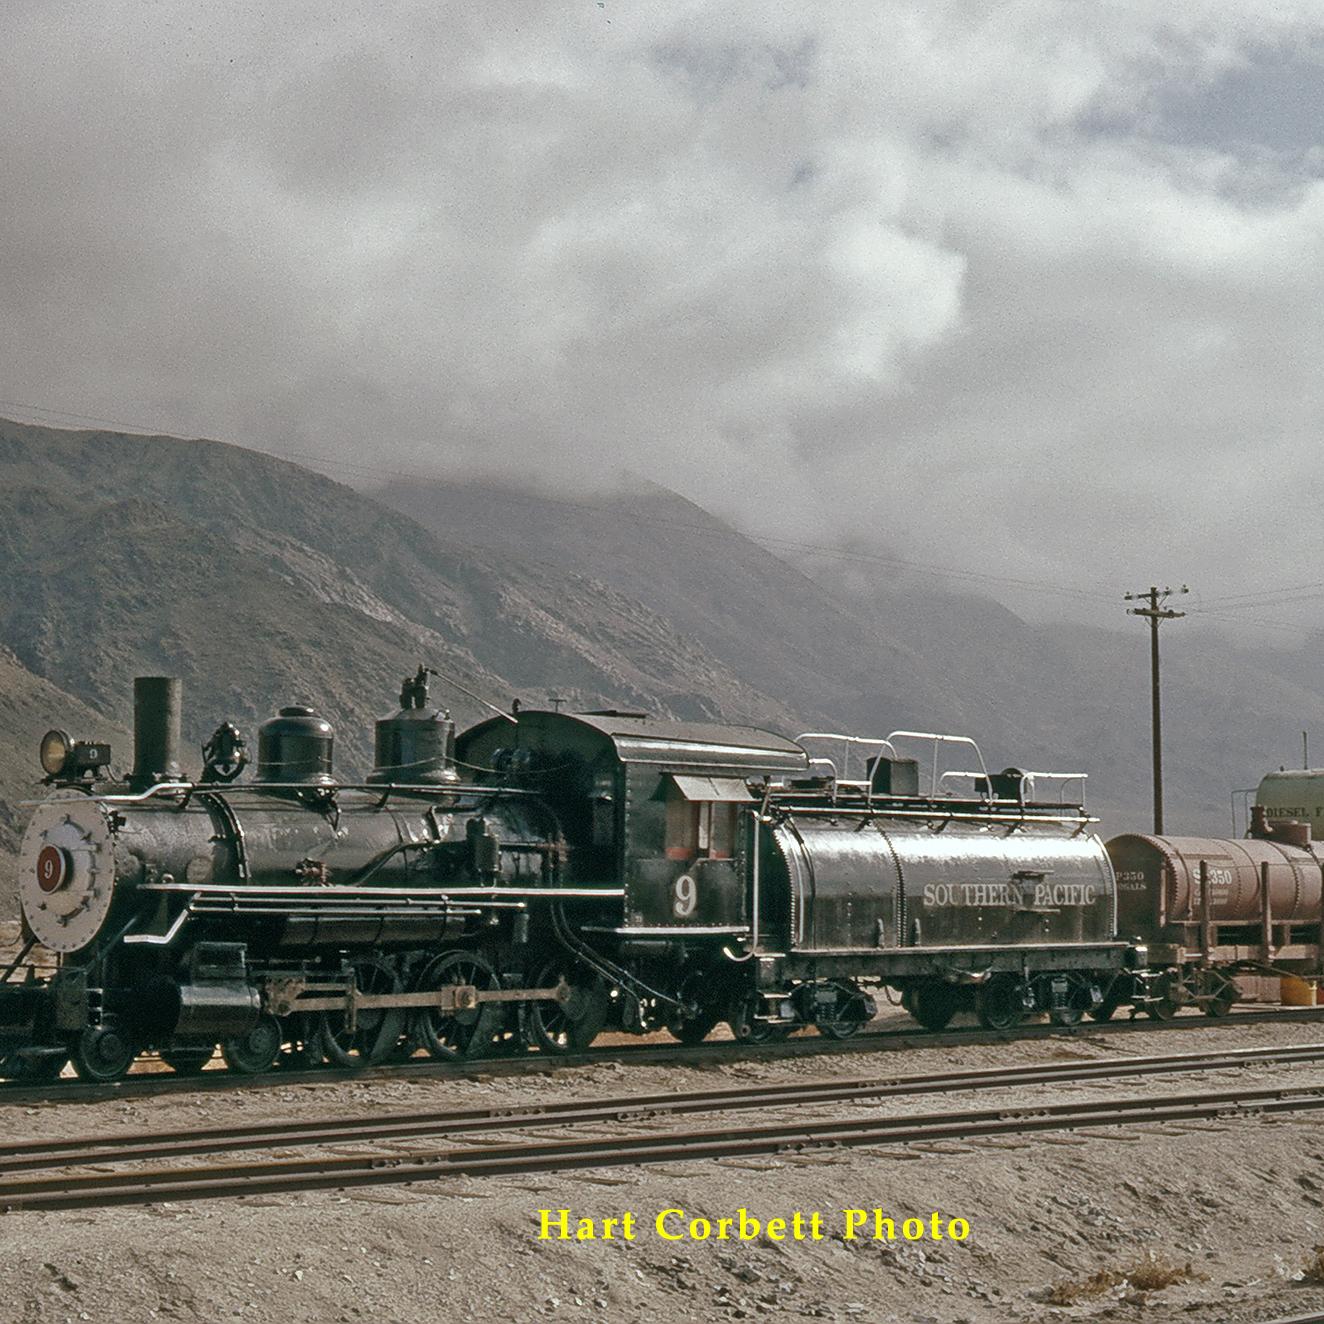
1154 1275
1313 1269
1151 1275
1068 1293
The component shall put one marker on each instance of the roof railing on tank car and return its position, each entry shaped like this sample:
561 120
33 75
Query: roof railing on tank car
877 743
887 745
1028 781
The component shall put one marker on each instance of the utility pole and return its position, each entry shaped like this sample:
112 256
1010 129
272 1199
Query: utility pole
1155 613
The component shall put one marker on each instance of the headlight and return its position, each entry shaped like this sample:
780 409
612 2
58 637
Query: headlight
54 752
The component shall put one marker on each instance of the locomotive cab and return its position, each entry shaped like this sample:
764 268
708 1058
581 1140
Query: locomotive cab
656 804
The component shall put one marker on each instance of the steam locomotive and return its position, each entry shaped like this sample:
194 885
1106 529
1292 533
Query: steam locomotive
541 877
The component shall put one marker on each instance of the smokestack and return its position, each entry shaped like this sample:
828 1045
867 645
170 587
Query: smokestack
156 712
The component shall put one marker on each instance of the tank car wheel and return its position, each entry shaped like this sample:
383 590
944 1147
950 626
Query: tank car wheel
569 1027
691 1030
188 1061
33 1070
932 1004
855 1009
839 1029
376 1030
999 1004
1165 1008
103 1053
255 1052
1222 1000
468 1032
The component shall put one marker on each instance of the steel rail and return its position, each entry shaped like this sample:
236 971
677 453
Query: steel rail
28 1155
143 1083
75 1191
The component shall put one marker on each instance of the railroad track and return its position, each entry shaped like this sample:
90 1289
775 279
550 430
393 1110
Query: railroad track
73 1190
34 1154
26 1156
641 1054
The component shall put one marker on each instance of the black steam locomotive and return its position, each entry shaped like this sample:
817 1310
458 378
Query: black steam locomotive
538 879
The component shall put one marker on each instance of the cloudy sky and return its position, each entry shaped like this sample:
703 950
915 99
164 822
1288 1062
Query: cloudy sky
1027 288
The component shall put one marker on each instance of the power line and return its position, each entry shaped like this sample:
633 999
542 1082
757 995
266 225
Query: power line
1230 598
1259 622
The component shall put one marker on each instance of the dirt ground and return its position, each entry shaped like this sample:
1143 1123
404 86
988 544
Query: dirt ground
1231 1211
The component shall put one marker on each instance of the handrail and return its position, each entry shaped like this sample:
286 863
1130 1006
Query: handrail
938 739
1028 780
887 744
880 742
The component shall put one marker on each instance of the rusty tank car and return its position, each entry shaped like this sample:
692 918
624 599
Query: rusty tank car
1211 908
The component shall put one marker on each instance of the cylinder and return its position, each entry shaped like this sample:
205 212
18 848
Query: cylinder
157 702
197 1012
210 1012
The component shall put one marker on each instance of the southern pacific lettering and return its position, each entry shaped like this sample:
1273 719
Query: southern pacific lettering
1010 894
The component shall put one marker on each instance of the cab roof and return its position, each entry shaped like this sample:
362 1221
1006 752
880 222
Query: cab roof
638 739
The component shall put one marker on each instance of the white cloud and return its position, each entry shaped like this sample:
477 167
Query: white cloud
992 257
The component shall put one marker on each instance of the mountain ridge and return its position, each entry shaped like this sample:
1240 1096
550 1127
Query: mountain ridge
259 582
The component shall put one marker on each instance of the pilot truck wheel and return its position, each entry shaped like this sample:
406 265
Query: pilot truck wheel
103 1053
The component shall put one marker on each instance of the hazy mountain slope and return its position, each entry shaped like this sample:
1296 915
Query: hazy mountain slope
258 580
856 646
127 588
760 616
